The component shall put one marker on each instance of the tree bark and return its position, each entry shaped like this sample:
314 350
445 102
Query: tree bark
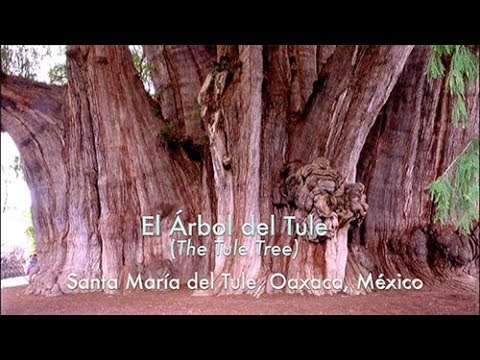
232 107
33 114
255 127
109 171
178 73
352 88
412 143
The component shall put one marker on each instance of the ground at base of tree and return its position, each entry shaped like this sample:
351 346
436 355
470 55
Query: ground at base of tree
432 302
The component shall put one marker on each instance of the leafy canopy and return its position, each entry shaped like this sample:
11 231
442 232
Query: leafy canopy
33 61
27 60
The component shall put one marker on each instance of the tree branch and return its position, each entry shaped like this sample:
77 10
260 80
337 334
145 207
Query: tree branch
356 83
28 107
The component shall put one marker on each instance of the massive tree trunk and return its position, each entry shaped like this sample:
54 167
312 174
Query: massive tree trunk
249 129
411 144
95 165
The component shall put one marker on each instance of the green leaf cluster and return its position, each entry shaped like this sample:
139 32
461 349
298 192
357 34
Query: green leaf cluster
456 193
58 74
463 71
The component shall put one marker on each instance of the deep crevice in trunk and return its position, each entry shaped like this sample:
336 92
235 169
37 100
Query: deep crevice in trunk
404 240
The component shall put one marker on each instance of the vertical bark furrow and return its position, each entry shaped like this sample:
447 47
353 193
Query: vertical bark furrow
355 89
124 148
231 103
32 113
178 73
403 240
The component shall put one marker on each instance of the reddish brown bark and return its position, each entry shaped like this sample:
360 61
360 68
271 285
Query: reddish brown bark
96 160
178 73
33 114
111 169
400 159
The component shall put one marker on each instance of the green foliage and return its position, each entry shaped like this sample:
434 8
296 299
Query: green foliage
58 74
170 134
30 232
21 60
456 193
28 60
463 71
142 66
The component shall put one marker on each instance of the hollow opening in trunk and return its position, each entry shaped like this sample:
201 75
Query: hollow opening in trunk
18 236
